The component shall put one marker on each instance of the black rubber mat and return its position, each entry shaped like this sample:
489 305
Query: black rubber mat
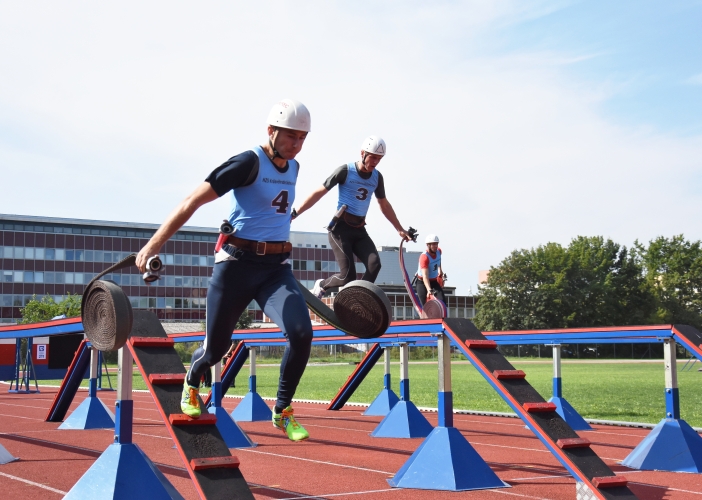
193 441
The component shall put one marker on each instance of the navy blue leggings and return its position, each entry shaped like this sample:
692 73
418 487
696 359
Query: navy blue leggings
234 284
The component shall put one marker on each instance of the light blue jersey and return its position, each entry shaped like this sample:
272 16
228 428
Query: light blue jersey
432 264
261 210
356 192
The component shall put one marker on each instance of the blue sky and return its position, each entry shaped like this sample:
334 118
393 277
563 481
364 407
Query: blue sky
509 124
649 53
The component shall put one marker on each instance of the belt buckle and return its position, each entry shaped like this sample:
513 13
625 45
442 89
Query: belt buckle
258 245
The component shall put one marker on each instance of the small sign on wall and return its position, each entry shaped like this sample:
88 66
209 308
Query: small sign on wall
41 351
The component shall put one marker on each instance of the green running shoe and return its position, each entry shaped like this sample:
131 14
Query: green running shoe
190 404
286 422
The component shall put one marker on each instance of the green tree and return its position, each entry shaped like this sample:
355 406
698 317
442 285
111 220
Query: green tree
592 282
44 309
673 272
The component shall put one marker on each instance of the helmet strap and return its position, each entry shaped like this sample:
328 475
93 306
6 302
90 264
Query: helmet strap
270 143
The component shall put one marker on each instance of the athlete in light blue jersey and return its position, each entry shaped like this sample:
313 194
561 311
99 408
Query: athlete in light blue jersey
253 263
430 275
358 182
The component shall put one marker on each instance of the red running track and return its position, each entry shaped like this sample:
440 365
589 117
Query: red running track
340 460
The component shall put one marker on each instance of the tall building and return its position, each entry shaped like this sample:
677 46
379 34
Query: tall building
55 256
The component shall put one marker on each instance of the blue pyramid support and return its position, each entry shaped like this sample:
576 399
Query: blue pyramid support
563 407
404 420
386 400
570 415
123 472
252 408
5 456
446 461
671 446
91 413
233 435
382 404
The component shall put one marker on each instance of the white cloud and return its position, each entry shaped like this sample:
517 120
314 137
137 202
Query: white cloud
116 112
695 80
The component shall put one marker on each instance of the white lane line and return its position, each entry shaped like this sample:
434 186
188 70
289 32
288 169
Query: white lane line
32 483
152 436
366 431
316 461
666 488
597 431
328 495
26 406
17 416
624 473
567 476
503 492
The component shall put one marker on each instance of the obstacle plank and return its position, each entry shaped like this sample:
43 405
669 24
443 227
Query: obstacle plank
540 416
355 379
689 337
231 369
195 441
70 384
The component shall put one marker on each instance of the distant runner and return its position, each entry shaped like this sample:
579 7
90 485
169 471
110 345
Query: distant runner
430 275
358 182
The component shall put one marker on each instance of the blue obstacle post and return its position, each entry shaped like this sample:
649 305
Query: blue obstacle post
123 471
404 420
233 435
252 408
672 445
563 407
24 371
91 413
445 460
387 399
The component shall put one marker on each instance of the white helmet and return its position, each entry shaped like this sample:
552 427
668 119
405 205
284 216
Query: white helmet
291 114
431 238
374 144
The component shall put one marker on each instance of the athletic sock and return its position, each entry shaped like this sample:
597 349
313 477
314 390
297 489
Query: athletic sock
278 410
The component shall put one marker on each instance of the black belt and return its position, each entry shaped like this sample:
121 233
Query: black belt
260 247
354 220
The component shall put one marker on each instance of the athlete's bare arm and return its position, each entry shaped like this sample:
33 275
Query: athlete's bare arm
203 194
389 214
425 279
313 198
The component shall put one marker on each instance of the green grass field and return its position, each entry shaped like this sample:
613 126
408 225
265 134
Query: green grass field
608 391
